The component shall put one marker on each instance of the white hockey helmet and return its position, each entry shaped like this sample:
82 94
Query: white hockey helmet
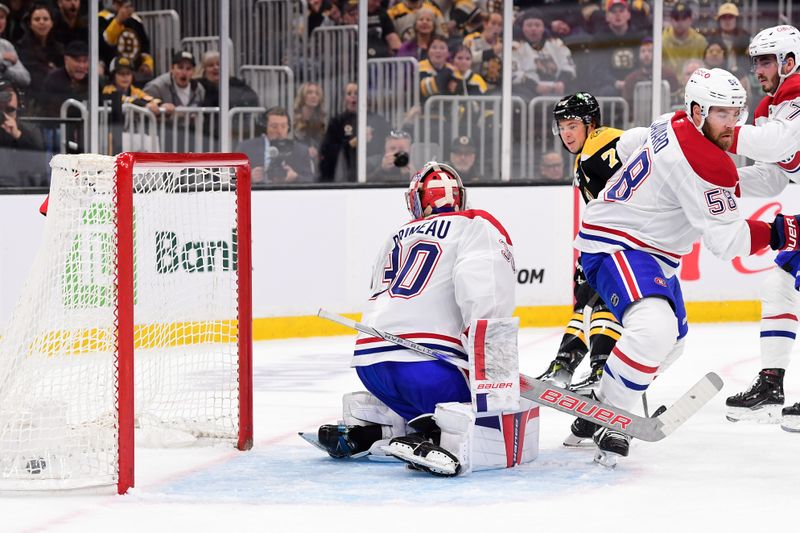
779 41
435 188
715 87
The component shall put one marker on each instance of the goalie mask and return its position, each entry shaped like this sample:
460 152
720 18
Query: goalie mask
715 87
435 188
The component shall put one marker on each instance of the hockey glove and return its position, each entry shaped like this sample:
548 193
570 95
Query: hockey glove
785 235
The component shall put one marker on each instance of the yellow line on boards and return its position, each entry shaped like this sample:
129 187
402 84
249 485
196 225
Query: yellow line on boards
529 317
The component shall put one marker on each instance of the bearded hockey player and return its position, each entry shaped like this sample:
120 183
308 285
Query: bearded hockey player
678 187
445 280
774 141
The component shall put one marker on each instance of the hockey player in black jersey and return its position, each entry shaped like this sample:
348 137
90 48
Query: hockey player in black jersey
576 120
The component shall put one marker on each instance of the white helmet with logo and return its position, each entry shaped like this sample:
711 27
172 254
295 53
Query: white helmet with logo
779 41
715 87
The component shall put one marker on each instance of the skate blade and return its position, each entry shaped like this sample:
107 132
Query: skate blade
766 414
312 439
606 459
791 424
576 442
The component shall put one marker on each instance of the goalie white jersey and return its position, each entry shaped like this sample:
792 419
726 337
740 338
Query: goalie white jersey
678 187
442 271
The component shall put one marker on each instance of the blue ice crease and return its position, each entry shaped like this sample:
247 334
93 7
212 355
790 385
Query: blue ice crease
280 474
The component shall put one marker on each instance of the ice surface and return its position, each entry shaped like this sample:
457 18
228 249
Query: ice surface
709 474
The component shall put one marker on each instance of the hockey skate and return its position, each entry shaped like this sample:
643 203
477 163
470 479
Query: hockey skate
762 402
611 445
790 418
591 382
343 442
421 454
581 431
562 368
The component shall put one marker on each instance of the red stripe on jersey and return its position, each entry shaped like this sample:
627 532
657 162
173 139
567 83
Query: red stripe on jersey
480 355
789 90
706 159
627 275
367 340
785 316
478 213
631 238
633 364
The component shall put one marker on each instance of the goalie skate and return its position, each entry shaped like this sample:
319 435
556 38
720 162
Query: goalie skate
421 454
313 439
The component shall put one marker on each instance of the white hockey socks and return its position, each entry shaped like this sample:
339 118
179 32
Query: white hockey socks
779 306
647 340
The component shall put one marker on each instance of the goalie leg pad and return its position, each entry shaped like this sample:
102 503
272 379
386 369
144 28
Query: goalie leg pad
494 364
485 442
779 303
363 408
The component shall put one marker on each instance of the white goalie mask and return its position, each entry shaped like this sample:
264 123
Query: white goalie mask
715 87
779 41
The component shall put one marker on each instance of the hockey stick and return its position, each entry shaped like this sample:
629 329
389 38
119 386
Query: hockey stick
547 394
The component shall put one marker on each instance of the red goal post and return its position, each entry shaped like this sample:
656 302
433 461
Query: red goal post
135 321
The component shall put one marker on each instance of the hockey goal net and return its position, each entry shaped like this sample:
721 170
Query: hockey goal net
135 318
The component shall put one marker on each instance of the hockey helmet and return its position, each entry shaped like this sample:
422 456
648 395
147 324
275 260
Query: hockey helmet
435 188
779 41
715 87
579 106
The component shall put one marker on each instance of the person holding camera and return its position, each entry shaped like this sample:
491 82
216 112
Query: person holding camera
22 157
274 157
394 164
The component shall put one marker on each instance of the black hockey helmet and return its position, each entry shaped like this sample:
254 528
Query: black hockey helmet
580 106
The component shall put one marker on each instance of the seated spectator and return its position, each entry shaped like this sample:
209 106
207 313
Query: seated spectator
338 149
645 72
23 161
688 69
322 13
11 68
487 48
466 81
176 88
463 158
69 24
120 89
551 168
681 41
734 39
122 33
395 163
715 56
435 73
310 117
424 30
16 27
274 157
239 93
402 15
38 50
462 18
541 64
69 81
614 51
382 37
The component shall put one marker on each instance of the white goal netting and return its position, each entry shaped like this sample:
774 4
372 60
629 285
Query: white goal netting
59 356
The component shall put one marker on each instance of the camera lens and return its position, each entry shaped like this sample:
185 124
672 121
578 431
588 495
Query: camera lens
401 159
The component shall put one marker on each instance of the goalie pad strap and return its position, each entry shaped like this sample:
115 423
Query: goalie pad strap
363 408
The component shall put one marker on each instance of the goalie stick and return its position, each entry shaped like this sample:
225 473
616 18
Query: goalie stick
544 393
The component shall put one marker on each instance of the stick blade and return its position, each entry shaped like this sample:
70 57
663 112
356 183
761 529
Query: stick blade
691 402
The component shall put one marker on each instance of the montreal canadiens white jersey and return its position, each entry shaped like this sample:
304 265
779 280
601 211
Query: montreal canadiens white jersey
434 276
774 142
677 187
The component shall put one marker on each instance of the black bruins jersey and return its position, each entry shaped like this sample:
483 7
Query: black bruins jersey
597 162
